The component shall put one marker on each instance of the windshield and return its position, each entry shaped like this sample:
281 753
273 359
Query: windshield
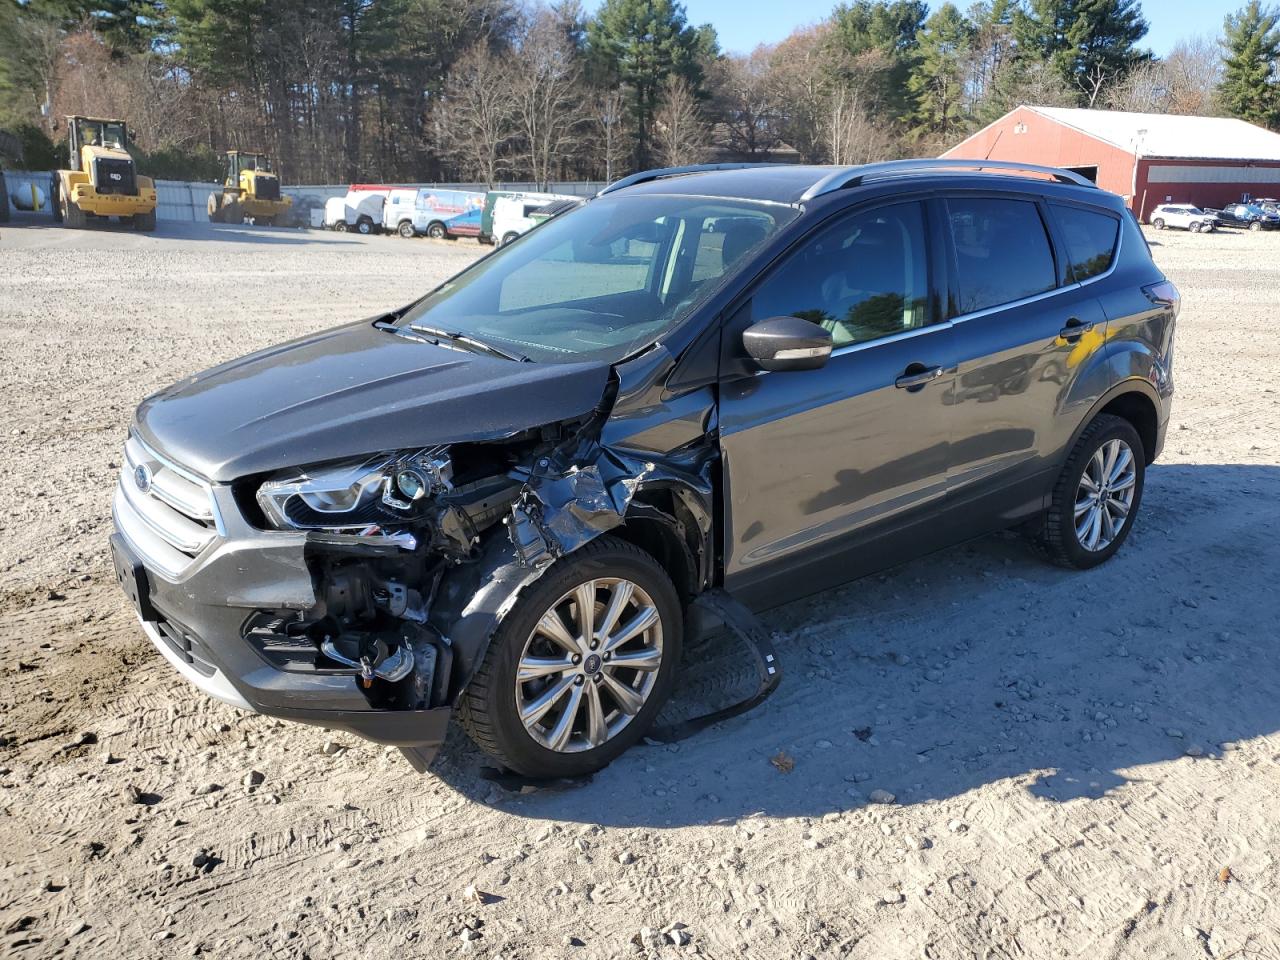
602 281
98 133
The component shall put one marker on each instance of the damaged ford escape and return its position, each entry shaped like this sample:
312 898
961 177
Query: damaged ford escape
507 501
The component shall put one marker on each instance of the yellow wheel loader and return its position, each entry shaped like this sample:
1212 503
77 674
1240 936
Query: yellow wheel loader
102 181
250 189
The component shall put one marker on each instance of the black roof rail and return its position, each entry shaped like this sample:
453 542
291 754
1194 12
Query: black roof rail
645 176
853 176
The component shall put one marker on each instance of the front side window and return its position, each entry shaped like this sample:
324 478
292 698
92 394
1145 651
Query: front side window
601 281
1002 251
864 278
1090 237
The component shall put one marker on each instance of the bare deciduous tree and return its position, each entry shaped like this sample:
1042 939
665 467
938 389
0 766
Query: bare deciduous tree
473 119
612 145
546 96
746 104
680 135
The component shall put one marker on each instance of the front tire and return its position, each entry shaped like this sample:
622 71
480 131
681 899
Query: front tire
364 227
1195 228
553 697
1255 226
1097 495
1158 223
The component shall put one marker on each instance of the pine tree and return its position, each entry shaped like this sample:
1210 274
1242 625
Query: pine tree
1090 43
639 44
937 82
1250 47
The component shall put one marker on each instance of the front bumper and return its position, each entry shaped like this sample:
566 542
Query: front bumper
113 204
194 604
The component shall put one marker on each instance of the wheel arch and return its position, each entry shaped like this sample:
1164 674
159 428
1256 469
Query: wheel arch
1133 400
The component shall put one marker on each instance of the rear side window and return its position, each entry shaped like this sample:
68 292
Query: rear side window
1090 237
1002 251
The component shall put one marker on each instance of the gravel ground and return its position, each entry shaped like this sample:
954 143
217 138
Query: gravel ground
1076 765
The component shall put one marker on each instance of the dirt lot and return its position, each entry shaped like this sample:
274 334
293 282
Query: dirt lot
1084 765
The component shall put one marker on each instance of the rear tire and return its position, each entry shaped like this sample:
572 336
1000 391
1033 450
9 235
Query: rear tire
436 231
233 213
364 227
1194 228
1119 492
4 201
145 222
340 226
490 707
1158 223
55 198
1256 225
510 238
406 230
214 207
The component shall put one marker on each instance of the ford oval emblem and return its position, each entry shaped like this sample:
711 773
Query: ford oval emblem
142 477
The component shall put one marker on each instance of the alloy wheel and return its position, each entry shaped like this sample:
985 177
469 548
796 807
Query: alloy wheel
589 666
1105 495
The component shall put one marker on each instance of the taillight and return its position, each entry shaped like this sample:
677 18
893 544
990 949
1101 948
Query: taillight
1165 294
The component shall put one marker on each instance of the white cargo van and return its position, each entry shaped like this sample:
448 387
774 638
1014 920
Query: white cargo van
360 210
434 212
518 212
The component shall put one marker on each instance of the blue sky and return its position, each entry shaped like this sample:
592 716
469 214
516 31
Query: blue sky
742 24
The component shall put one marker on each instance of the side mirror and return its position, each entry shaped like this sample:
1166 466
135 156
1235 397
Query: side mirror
787 343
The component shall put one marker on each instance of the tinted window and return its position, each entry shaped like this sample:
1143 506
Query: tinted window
861 279
1090 239
1002 251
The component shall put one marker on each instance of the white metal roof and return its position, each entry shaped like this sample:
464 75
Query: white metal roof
1198 138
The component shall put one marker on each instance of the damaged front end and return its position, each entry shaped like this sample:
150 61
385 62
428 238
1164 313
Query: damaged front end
416 557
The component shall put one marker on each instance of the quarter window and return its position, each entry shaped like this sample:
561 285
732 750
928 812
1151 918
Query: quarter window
862 279
1002 251
1090 238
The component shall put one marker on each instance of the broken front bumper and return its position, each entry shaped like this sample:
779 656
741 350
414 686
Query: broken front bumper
196 581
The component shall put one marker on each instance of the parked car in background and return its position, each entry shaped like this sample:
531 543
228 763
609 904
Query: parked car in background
4 200
1269 204
1184 216
359 211
507 497
1248 215
519 212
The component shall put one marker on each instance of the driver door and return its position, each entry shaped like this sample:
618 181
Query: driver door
829 472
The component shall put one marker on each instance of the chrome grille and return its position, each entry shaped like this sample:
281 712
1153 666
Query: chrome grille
168 518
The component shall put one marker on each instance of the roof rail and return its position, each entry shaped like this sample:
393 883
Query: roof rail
853 176
645 176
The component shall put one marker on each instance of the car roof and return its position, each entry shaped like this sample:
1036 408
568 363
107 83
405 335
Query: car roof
794 184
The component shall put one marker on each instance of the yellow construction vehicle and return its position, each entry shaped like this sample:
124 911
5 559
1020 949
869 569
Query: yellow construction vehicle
102 181
250 189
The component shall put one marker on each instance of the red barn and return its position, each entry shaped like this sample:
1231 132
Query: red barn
1147 158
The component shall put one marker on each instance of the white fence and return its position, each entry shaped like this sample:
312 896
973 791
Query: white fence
183 200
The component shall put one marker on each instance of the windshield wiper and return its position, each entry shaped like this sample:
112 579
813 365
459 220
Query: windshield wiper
478 345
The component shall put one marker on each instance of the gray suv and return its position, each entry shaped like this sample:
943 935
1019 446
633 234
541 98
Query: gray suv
506 500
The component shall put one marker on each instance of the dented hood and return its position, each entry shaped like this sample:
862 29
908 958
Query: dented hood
350 391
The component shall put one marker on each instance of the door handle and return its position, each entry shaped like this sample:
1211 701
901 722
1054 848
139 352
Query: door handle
912 381
1074 330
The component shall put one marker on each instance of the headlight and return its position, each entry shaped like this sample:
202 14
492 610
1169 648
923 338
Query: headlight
367 497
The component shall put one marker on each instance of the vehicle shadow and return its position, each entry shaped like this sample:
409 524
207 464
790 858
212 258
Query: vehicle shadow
979 664
180 230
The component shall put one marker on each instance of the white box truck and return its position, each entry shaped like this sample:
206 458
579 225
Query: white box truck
359 211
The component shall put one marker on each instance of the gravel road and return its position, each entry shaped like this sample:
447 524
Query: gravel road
1073 765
